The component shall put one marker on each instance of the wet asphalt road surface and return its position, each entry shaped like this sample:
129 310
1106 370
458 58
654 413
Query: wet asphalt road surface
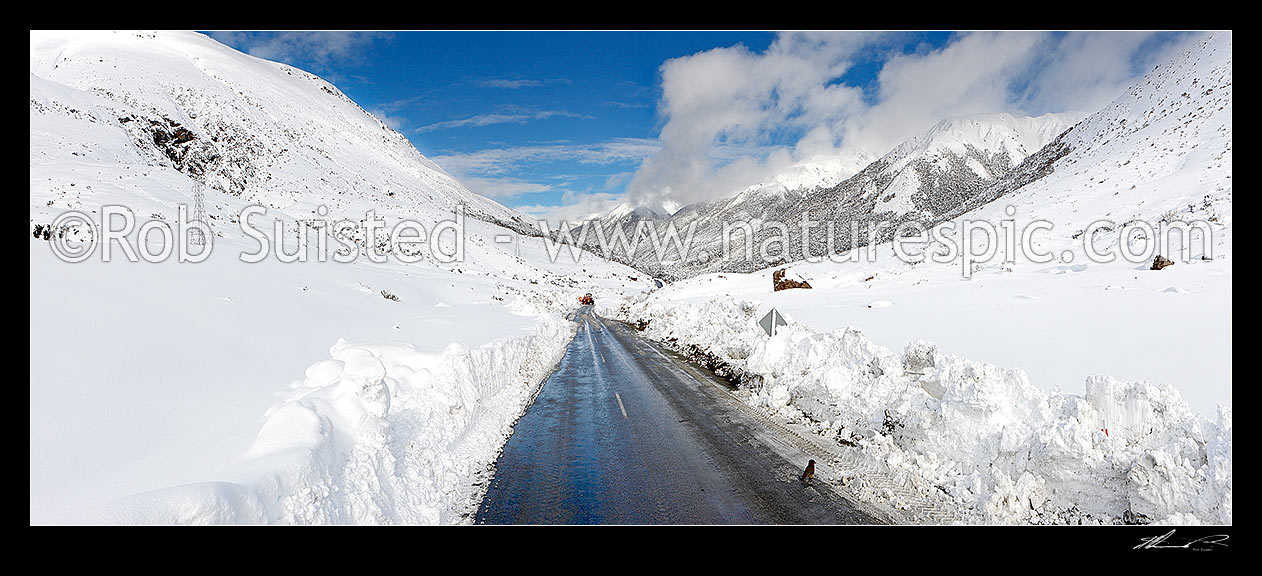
626 432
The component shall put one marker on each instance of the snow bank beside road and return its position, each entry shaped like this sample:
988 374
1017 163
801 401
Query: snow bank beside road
376 434
998 448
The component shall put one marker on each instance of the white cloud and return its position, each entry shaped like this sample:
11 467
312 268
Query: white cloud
499 118
1090 69
395 122
618 180
574 208
969 76
517 83
501 188
722 106
502 160
732 118
315 49
484 172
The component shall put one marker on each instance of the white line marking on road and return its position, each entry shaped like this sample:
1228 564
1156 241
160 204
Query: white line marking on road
620 406
503 239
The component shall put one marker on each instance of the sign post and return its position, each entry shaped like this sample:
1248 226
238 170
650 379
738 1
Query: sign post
771 320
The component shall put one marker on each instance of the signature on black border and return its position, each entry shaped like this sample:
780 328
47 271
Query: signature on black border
1165 541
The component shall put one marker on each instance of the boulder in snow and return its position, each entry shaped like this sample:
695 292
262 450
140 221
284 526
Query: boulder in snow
786 278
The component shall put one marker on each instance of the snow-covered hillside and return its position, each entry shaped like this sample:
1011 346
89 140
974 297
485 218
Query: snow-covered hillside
272 383
1055 379
265 383
987 145
923 180
258 131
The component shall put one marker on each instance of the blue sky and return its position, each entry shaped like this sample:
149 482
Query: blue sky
565 125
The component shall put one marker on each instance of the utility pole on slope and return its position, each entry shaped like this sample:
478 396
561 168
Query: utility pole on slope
198 238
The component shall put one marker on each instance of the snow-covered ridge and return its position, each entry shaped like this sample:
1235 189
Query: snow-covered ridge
982 147
923 179
1159 153
625 212
255 130
814 174
999 133
1181 98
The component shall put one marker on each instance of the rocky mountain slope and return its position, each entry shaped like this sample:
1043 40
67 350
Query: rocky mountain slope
924 180
115 111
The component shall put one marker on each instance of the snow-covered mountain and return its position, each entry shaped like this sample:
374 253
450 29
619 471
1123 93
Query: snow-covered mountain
104 104
271 382
624 216
818 173
1129 157
1066 391
1060 379
923 179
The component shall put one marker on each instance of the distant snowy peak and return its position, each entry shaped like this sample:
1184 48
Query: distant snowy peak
924 179
928 175
625 212
624 216
256 130
812 175
1017 136
956 158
